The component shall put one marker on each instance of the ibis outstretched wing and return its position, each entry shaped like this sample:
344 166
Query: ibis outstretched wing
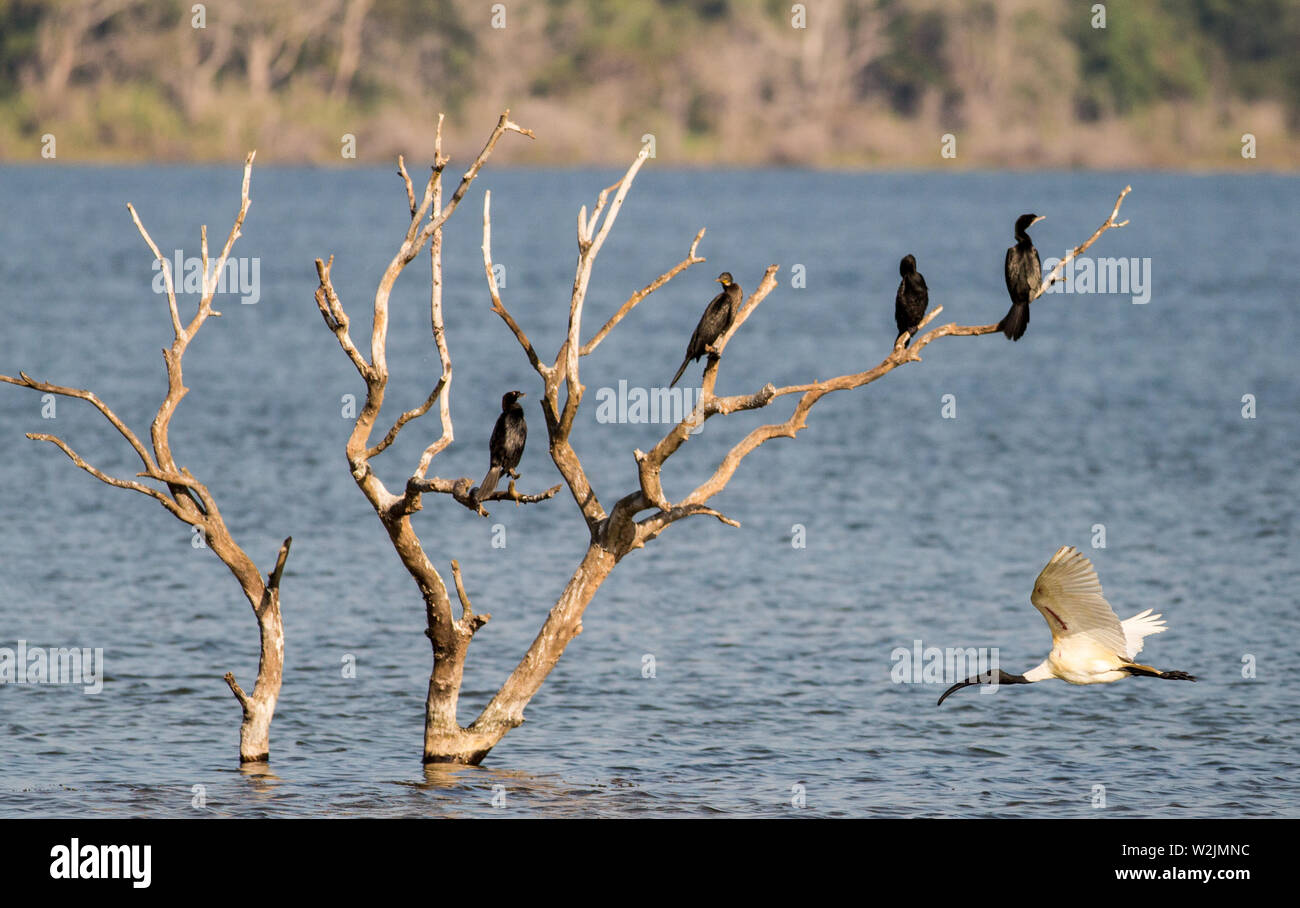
1068 594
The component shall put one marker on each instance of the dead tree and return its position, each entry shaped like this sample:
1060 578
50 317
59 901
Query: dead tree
613 533
188 499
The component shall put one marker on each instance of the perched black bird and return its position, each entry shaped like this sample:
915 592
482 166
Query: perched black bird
506 445
1024 273
714 322
912 299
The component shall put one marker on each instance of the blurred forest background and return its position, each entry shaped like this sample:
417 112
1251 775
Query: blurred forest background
867 83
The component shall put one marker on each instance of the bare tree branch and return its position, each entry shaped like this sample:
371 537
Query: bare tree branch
335 318
176 389
467 613
119 483
99 405
589 245
656 523
273 579
462 491
244 700
415 241
406 177
497 306
1110 222
441 391
166 271
636 298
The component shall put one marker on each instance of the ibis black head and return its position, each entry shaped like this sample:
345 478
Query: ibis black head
995 676
725 279
510 399
1025 221
907 265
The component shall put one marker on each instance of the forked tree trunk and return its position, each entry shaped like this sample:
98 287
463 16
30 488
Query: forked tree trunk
259 708
444 740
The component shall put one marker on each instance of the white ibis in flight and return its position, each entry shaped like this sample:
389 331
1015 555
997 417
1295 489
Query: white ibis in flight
1090 645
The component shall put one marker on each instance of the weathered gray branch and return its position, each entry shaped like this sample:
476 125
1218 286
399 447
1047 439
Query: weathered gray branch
498 306
1110 222
461 490
467 613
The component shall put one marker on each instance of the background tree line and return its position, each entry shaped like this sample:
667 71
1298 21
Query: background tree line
1166 83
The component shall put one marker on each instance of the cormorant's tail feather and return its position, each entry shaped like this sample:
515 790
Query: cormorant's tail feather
680 370
488 485
1015 322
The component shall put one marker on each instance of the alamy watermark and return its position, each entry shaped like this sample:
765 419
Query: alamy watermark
75 861
1104 275
53 665
240 275
647 405
939 665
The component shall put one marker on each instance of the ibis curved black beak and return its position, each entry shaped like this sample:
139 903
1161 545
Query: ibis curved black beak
997 676
956 687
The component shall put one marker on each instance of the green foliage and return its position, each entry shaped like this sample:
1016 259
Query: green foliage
591 39
1146 53
19 21
656 61
1261 39
914 61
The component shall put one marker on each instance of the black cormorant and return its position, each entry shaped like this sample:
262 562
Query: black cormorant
911 300
714 322
506 445
1024 273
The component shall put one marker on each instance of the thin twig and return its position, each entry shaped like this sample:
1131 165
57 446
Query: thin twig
636 298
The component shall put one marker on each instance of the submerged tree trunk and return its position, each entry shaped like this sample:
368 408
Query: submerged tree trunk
444 740
259 707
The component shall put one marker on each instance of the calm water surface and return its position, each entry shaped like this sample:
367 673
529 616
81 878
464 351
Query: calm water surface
772 663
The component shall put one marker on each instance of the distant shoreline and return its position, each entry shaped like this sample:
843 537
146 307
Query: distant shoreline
518 167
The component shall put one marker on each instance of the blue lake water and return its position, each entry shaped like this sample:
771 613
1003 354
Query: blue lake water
772 662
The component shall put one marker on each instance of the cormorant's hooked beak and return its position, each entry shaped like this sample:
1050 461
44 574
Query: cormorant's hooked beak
718 280
992 677
1041 217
